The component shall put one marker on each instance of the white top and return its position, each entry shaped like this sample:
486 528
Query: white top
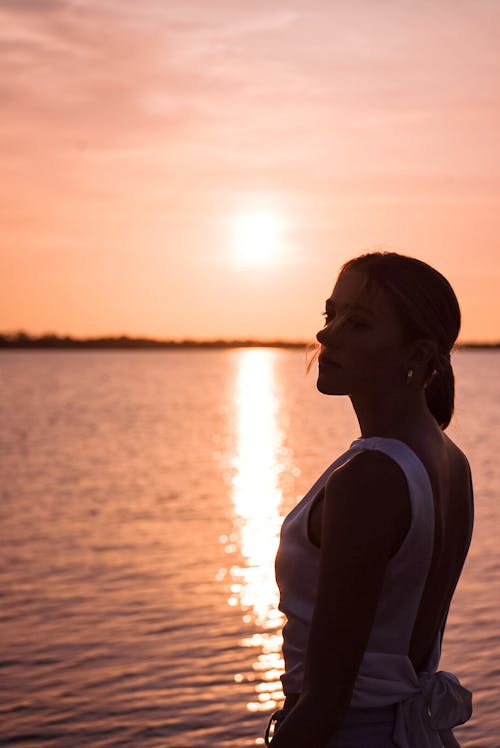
428 701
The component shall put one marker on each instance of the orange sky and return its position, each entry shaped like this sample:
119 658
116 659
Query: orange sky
134 137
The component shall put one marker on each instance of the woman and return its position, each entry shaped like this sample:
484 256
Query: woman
369 559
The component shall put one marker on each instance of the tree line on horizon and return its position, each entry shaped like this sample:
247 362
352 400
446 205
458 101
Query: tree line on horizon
22 339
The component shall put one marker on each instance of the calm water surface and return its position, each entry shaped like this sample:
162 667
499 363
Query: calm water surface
142 495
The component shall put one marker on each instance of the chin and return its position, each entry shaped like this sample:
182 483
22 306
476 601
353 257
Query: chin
329 388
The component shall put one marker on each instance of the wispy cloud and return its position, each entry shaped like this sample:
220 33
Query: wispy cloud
121 75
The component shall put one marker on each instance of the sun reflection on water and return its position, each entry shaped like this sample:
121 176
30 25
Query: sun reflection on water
259 460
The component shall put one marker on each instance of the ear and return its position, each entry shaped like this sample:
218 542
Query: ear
422 354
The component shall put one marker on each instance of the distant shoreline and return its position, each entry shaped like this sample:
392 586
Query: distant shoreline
20 340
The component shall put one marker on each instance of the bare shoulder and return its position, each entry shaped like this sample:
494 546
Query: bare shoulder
370 491
458 457
458 460
367 475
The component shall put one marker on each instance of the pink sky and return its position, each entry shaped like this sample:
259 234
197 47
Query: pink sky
133 136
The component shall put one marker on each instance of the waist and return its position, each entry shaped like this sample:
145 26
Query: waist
355 715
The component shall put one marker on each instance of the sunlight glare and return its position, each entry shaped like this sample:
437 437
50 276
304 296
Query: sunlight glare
258 237
260 459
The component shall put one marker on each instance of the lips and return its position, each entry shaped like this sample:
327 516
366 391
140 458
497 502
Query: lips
324 361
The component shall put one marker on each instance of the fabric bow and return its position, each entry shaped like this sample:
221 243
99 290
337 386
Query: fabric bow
441 703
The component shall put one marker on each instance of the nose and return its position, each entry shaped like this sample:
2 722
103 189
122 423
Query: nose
325 334
321 336
331 331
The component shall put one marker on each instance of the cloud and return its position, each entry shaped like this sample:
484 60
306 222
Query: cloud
36 7
244 89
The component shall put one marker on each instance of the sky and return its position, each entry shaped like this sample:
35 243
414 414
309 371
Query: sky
202 168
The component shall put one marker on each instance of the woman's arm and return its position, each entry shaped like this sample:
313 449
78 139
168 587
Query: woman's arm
366 515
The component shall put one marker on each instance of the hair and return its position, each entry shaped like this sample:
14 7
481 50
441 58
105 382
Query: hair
427 308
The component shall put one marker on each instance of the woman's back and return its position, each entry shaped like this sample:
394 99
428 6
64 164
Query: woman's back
450 479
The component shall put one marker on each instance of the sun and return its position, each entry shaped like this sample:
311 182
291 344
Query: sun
258 237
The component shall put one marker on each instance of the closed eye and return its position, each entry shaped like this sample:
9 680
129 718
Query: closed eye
353 321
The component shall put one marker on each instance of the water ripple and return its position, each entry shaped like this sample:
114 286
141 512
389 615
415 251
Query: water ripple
136 550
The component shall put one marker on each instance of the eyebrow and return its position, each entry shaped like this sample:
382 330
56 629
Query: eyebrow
330 305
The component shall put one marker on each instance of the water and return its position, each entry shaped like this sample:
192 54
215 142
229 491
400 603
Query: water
142 494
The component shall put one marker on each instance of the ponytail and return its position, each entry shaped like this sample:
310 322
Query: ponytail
440 392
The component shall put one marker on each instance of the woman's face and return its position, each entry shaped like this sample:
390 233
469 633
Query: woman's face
362 342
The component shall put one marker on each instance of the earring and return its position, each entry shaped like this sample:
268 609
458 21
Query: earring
409 376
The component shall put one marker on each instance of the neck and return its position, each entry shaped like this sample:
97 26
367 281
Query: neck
393 414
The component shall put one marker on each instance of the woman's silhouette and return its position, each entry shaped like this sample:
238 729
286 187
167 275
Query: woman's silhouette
369 559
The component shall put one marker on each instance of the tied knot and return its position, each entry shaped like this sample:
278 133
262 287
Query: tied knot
438 704
449 704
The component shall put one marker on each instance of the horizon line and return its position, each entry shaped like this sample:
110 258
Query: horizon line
22 339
